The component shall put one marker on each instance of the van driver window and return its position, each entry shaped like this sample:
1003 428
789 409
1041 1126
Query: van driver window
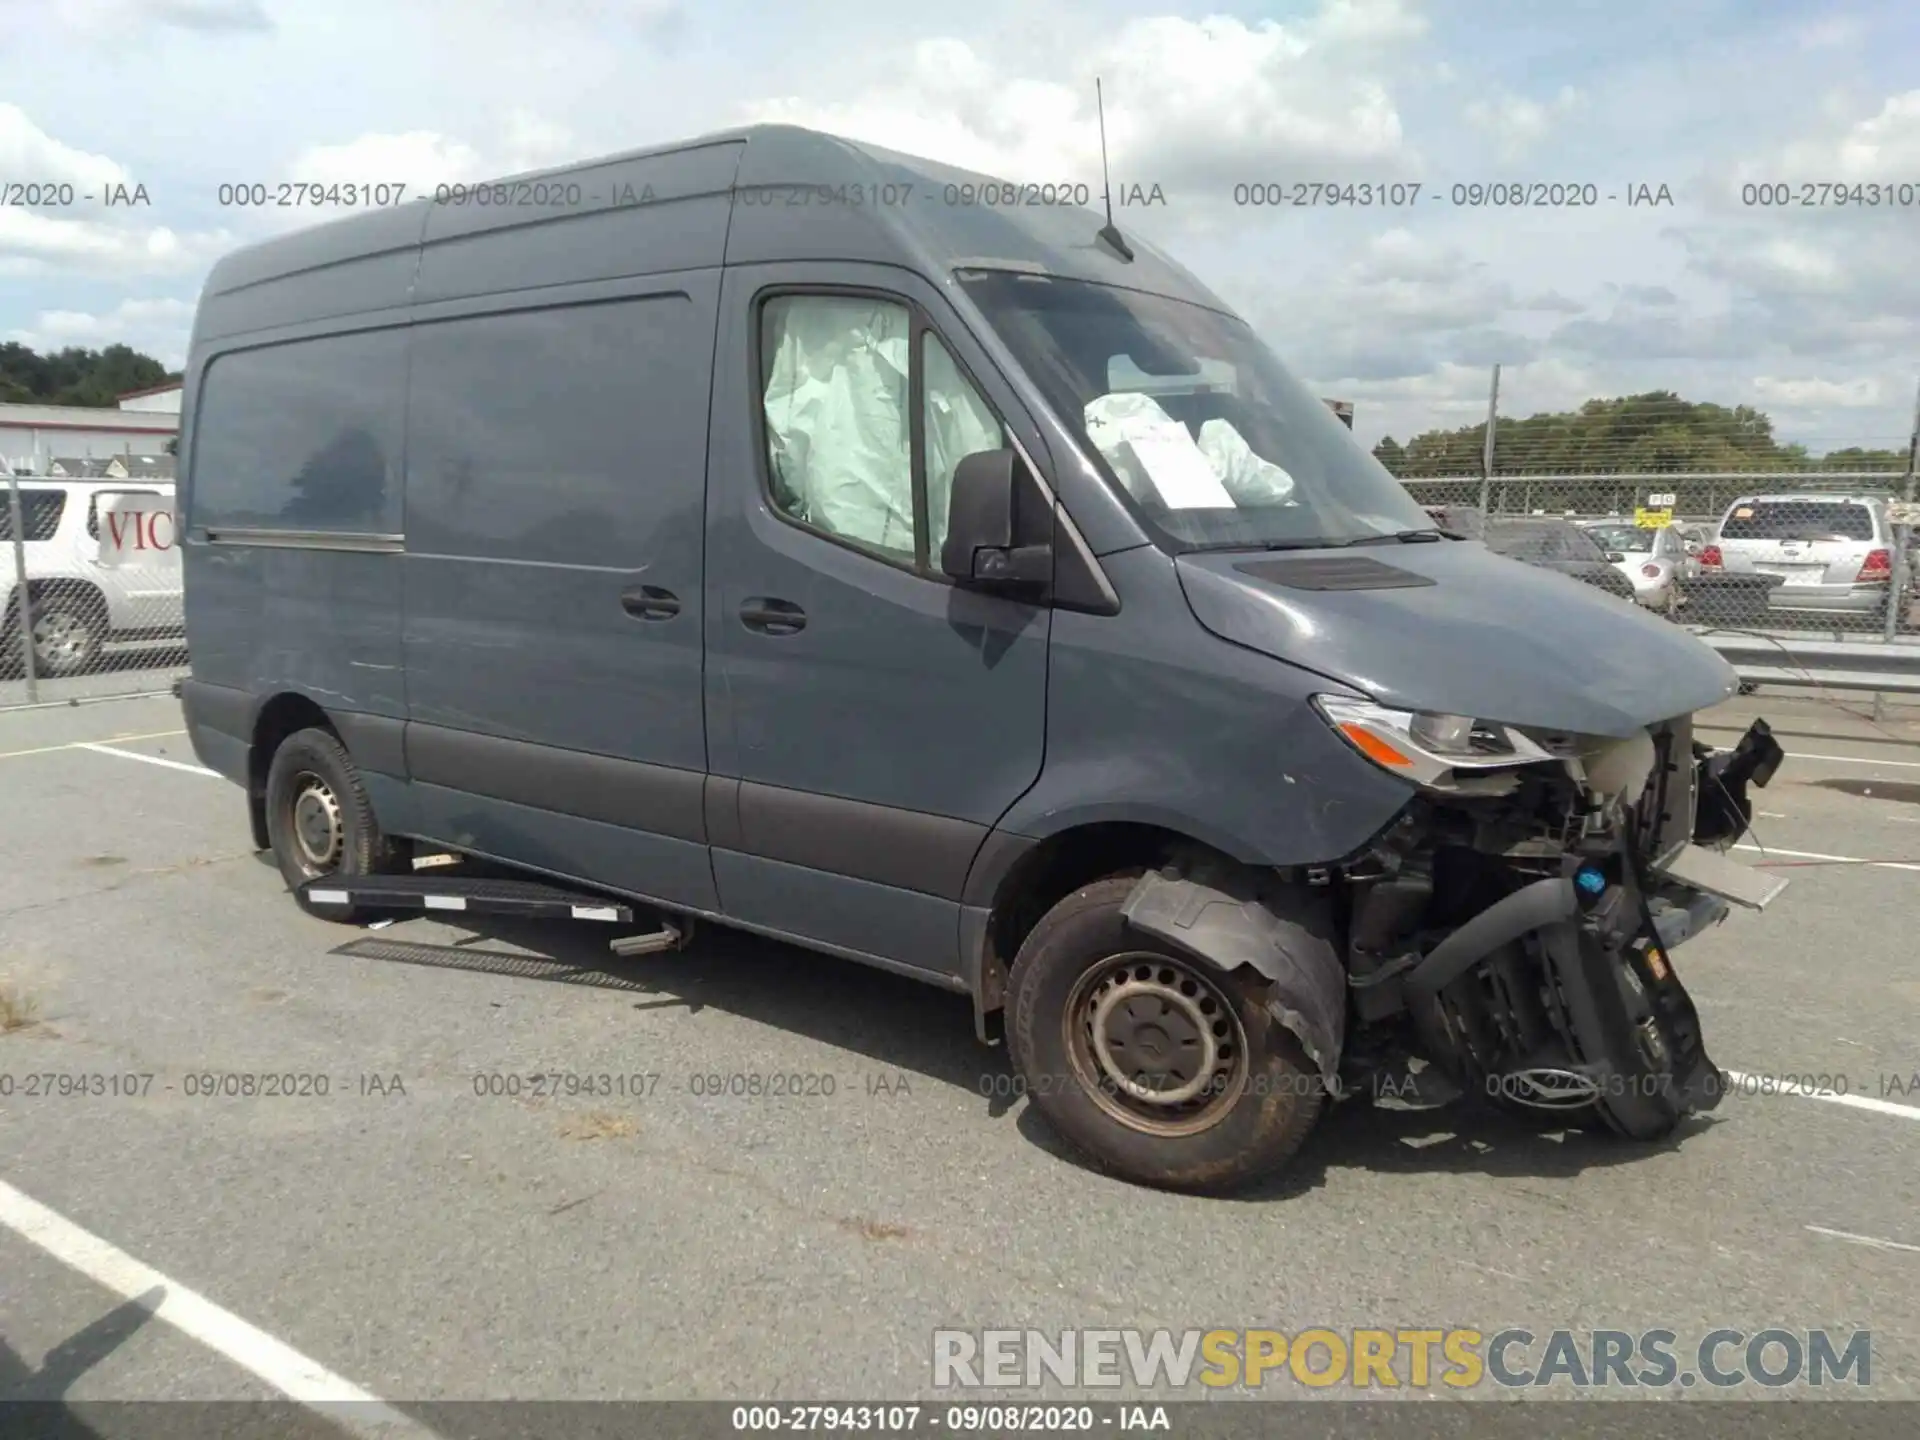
835 397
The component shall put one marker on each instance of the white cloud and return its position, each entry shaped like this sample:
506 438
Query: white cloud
419 159
29 155
156 326
1832 32
83 236
1190 104
1410 306
1882 147
1517 124
104 19
1860 394
49 243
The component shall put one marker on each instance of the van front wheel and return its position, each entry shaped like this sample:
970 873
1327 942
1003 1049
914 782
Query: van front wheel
1160 1068
319 820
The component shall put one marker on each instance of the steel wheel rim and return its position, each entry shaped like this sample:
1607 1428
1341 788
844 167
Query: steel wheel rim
315 822
1156 1043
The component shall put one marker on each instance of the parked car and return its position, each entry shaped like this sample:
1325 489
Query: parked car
1694 538
1651 558
1557 545
81 596
1462 520
1833 553
963 591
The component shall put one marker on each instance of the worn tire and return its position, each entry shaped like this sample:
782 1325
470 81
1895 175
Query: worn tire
1252 1130
307 762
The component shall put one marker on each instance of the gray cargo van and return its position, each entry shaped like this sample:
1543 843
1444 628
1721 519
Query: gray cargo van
784 533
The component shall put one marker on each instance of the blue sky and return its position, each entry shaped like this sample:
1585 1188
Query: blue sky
1812 314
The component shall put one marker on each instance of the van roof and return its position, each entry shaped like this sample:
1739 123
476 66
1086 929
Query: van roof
759 193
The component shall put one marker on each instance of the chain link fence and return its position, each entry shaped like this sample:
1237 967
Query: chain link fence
91 574
1694 511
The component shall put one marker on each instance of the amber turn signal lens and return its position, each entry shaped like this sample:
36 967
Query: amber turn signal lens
1373 747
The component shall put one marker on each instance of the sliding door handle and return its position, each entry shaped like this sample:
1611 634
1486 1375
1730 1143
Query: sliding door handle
650 602
771 616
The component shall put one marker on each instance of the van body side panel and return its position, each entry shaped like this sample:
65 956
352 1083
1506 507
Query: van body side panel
556 465
293 520
903 927
896 726
1150 719
648 215
350 267
616 855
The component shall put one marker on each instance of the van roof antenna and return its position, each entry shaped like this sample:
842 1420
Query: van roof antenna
1109 232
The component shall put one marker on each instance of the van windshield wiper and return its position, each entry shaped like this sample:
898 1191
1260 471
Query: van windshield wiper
1324 542
1405 537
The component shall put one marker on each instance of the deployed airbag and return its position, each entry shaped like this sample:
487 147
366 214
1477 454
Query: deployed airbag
1156 458
836 408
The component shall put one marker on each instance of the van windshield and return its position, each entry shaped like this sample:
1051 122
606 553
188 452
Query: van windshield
1214 444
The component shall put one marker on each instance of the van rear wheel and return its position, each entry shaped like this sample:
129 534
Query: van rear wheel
1158 1067
319 820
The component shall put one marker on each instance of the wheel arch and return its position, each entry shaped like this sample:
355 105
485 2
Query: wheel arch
1016 879
278 717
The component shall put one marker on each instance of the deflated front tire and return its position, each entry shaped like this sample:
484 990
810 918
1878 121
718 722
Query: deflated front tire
1158 1067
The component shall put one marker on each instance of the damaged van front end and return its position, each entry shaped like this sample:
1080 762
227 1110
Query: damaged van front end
1514 926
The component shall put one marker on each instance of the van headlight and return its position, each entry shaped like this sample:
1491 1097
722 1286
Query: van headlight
1428 748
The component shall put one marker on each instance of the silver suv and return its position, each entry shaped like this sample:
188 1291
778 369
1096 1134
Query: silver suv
88 583
1833 553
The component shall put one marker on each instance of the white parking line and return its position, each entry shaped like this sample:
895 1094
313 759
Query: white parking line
252 1349
80 744
100 749
1833 859
1852 1102
1856 760
1874 1241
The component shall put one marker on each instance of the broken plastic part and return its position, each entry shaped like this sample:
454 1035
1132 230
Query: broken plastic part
1219 914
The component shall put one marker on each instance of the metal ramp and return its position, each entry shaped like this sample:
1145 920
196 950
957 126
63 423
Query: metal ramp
486 895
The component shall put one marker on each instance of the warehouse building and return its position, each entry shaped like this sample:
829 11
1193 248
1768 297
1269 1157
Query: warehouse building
31 436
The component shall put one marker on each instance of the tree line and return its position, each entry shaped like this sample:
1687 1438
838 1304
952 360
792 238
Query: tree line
1631 434
76 376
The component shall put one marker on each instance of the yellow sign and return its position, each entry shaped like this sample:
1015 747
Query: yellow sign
1653 519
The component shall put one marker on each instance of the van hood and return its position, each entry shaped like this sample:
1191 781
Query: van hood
1453 628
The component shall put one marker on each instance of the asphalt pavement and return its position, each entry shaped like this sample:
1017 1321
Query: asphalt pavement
414 1219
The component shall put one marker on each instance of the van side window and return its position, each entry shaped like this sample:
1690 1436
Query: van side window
303 435
835 396
958 423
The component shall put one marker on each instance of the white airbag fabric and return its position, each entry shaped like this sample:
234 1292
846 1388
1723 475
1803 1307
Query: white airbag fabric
1156 457
836 407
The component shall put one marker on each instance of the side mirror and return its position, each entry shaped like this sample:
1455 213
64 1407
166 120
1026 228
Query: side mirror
1614 557
983 532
